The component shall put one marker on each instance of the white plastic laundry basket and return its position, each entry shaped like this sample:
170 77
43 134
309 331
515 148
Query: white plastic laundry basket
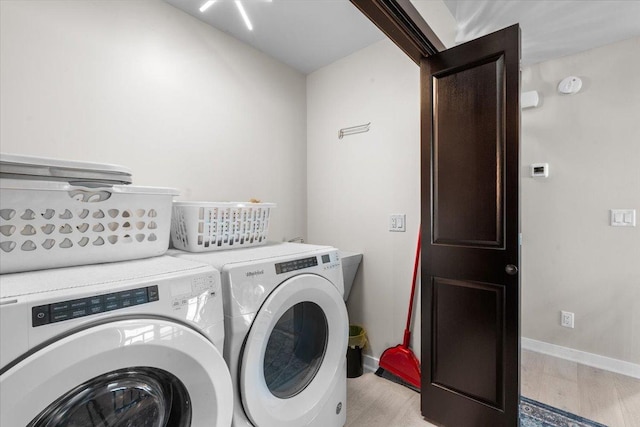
210 226
47 224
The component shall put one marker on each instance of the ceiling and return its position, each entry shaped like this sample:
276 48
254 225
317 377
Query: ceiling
550 28
304 34
309 34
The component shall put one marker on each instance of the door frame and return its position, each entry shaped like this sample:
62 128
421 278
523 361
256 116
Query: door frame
404 26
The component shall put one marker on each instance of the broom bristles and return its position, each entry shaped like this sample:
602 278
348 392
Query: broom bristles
383 373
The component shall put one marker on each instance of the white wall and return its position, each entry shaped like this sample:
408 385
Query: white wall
142 84
354 183
571 258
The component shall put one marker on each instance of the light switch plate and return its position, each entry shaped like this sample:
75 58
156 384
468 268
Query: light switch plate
397 222
623 217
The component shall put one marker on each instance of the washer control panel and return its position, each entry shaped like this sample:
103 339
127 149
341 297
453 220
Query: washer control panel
187 293
73 309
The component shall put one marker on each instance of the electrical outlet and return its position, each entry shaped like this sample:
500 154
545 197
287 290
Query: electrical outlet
566 319
397 222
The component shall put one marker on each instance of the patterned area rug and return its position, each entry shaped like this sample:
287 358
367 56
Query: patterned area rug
536 414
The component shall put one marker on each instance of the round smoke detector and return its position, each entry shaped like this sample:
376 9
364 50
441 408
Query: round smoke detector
570 85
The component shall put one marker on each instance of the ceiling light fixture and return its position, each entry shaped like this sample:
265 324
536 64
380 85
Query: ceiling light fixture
207 5
244 15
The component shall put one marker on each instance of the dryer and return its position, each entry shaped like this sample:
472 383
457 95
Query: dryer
129 343
286 333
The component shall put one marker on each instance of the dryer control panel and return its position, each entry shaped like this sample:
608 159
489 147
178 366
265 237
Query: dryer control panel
302 263
73 309
296 264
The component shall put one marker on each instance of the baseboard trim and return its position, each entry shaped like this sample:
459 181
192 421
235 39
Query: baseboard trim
369 363
590 359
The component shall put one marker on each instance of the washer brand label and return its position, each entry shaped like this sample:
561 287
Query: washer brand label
254 273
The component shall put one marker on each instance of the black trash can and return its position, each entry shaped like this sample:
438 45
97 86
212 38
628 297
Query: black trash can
357 341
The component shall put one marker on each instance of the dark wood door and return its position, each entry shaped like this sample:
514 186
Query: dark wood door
470 224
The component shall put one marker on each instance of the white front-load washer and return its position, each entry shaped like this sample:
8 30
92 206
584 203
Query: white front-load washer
134 343
286 333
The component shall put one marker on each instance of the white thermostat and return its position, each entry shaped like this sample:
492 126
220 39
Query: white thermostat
540 170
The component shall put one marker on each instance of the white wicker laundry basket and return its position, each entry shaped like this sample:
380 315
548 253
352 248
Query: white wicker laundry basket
210 226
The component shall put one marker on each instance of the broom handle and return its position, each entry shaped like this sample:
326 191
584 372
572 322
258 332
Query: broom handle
407 331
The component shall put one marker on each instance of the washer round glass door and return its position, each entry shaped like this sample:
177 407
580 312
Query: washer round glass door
293 352
137 396
143 372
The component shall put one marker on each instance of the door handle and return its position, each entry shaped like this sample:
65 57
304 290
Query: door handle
511 269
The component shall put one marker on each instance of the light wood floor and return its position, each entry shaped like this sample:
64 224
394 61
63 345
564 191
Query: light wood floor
611 399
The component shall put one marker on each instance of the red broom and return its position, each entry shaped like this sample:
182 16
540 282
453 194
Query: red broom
399 361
